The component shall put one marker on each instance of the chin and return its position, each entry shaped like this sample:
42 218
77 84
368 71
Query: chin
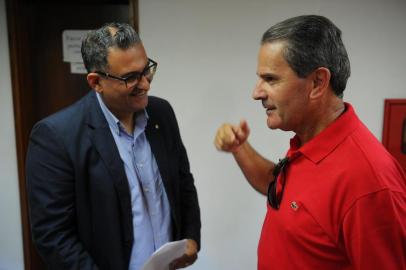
272 127
139 103
272 124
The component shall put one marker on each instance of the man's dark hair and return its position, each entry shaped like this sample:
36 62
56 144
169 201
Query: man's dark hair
312 41
96 43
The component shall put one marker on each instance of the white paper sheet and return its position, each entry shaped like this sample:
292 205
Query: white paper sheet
161 258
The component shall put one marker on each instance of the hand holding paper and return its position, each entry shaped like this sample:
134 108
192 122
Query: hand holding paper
173 255
188 258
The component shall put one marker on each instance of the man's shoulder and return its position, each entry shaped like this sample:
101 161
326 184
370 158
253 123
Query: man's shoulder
371 161
68 117
154 102
366 142
157 105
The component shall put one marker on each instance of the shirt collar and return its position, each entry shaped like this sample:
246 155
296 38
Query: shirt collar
141 118
327 140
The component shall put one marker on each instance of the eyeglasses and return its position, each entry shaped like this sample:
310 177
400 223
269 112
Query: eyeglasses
274 192
134 78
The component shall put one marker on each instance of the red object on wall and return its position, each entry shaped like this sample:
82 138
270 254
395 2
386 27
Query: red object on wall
394 129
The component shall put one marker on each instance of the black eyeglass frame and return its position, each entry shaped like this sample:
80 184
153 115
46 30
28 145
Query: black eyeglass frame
279 170
136 76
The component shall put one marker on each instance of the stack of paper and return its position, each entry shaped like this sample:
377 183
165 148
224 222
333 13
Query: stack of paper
161 258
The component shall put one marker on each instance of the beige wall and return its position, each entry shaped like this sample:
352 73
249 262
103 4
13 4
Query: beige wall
11 250
207 52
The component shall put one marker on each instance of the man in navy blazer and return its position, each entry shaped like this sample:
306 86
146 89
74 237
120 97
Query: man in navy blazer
108 177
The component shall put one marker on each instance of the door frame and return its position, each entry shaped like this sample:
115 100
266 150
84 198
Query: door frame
22 95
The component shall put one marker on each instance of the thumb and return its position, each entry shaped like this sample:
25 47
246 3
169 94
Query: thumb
244 126
243 130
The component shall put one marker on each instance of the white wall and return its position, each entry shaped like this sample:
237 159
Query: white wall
207 59
11 251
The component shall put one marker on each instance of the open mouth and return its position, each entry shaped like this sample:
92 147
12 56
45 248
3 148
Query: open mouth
138 93
270 110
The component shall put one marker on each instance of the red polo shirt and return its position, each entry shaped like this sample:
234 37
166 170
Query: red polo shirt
343 207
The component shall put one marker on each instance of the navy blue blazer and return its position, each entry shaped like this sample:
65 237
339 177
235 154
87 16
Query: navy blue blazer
79 199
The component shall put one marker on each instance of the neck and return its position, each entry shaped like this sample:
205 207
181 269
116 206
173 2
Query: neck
125 117
129 124
127 120
324 113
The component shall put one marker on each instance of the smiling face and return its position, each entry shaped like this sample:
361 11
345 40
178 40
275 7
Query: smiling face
284 95
120 100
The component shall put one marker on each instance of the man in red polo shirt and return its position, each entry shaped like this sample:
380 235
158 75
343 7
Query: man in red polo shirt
338 198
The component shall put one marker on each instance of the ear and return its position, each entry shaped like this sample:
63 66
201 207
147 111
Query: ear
93 79
320 82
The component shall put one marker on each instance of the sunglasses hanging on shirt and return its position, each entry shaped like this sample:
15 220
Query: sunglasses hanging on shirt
277 186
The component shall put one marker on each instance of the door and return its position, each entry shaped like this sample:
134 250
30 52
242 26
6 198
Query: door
42 82
394 129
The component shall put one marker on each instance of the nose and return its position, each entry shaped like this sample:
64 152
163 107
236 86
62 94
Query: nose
259 92
143 84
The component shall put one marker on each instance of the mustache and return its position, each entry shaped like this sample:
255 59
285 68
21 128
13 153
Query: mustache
265 103
137 92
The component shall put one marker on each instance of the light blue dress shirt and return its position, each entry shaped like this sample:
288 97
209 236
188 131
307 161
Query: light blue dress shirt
149 202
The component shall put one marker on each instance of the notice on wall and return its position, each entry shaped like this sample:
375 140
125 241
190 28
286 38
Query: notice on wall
77 68
71 43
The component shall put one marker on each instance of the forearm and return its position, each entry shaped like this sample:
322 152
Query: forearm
256 169
190 210
51 194
189 207
63 250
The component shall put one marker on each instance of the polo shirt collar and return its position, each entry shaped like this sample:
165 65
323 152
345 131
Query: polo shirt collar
326 141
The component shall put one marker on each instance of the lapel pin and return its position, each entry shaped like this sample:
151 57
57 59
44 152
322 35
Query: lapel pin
156 126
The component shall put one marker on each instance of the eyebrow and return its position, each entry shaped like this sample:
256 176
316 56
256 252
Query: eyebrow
128 74
131 73
267 75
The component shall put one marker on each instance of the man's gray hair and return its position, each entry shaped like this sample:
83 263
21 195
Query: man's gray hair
312 41
96 43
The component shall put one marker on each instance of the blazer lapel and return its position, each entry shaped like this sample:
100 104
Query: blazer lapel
103 141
